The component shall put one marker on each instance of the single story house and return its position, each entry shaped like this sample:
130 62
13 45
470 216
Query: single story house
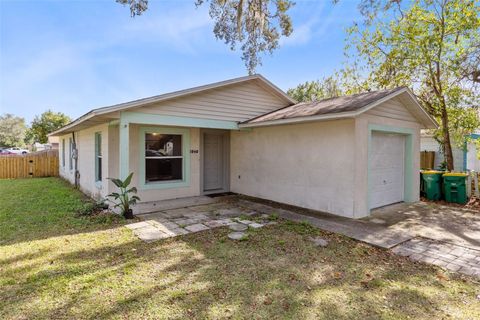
344 155
464 159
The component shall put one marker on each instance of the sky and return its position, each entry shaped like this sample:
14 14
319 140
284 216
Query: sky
75 55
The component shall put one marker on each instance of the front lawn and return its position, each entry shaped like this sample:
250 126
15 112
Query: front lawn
56 265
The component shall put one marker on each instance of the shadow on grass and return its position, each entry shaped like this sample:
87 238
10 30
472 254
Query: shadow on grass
277 273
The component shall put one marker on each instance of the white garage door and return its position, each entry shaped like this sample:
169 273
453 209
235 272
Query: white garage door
387 161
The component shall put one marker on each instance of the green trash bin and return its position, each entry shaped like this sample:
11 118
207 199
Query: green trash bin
432 184
455 187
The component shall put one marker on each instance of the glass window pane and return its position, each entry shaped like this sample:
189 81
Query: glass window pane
99 177
158 145
163 169
98 143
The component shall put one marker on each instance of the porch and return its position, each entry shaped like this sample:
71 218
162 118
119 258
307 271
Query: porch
174 157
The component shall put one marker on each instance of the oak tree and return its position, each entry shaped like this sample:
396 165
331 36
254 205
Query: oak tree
253 25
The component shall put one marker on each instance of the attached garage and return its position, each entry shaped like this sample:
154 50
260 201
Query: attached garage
387 159
343 155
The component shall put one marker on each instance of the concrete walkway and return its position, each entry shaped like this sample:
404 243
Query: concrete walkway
454 225
356 229
439 235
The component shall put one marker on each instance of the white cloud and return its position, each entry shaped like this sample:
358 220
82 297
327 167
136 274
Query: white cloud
314 27
182 28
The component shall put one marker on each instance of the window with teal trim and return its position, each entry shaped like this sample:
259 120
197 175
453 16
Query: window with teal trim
98 156
163 157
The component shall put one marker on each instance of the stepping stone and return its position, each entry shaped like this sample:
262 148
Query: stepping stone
163 225
197 227
237 235
137 225
177 232
229 212
226 221
255 225
377 221
238 226
150 234
245 221
195 214
185 222
319 242
214 223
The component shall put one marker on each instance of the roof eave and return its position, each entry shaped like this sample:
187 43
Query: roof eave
428 121
299 120
168 96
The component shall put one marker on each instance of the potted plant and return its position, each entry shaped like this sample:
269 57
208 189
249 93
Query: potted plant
125 198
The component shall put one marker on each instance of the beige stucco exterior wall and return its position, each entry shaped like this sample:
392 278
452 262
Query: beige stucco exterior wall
193 189
85 140
308 165
362 124
64 169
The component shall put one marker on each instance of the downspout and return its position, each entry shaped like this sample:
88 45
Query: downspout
75 157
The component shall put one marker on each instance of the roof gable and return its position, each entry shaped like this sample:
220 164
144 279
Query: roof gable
343 107
237 102
101 115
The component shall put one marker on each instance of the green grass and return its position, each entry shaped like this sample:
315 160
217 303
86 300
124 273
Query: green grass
39 208
56 265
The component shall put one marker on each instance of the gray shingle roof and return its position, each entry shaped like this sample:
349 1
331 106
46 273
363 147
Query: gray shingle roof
326 106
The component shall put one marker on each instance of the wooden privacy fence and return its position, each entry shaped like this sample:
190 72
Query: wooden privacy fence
38 164
427 159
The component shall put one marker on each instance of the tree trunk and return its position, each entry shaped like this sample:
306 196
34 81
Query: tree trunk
447 145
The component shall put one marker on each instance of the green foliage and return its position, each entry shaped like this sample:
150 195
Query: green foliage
254 25
137 7
90 208
328 87
12 131
273 217
47 122
123 199
427 47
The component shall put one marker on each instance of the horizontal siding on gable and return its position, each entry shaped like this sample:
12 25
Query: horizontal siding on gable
238 102
393 109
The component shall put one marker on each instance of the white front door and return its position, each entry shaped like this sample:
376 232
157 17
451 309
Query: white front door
387 169
213 162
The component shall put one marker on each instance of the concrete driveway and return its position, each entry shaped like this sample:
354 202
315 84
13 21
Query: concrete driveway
445 236
457 226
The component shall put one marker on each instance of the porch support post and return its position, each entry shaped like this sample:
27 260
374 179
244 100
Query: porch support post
123 147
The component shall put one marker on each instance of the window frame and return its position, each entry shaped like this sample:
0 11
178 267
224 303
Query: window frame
98 155
170 184
70 154
63 153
